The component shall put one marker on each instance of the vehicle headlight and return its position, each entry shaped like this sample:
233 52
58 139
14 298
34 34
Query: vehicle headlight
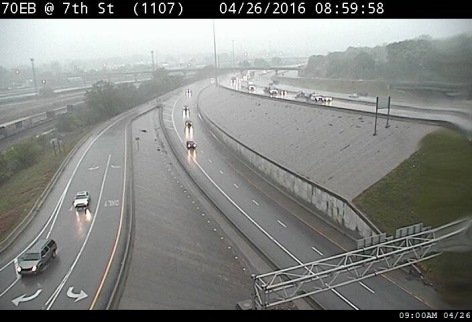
34 268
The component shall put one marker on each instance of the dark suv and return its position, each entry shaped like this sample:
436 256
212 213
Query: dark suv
191 145
37 257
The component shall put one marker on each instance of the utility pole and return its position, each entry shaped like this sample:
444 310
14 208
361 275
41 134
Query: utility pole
214 49
152 55
34 78
233 55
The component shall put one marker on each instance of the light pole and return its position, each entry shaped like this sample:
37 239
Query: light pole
233 54
34 78
214 49
152 55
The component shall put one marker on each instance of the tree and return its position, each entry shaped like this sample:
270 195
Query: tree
46 91
103 99
5 170
244 64
407 58
363 66
21 155
316 66
276 61
337 65
261 62
66 123
4 77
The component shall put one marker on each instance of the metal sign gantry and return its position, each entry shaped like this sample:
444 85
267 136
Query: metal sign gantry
374 255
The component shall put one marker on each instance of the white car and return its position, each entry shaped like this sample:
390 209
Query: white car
316 97
321 98
82 199
327 99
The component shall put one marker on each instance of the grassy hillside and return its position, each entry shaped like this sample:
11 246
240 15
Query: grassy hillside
433 186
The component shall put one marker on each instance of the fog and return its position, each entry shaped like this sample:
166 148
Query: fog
59 39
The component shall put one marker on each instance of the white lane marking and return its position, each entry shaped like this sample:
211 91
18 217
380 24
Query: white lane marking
210 161
57 208
55 294
93 168
345 299
12 284
252 220
255 202
282 224
234 184
221 172
316 250
367 288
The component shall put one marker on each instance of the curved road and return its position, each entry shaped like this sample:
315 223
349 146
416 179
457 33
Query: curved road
84 271
283 237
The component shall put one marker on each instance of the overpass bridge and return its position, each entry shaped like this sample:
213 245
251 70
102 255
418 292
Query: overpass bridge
187 70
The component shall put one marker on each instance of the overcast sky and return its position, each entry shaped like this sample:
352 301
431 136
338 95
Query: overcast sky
57 39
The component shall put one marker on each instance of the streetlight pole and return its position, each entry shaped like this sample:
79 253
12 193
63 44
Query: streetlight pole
214 49
34 78
152 55
233 54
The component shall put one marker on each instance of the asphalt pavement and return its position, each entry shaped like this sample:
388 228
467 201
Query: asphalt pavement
182 257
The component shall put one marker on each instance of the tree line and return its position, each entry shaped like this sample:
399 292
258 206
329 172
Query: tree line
419 59
104 100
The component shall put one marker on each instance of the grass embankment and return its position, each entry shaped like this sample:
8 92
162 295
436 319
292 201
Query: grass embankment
18 195
433 186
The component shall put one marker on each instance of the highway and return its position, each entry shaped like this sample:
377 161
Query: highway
92 244
15 110
282 237
456 113
185 255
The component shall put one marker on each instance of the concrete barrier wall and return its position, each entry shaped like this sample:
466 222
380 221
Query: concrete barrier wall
333 206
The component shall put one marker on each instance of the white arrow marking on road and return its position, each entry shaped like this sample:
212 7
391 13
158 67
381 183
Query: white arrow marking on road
115 166
77 297
25 298
94 168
